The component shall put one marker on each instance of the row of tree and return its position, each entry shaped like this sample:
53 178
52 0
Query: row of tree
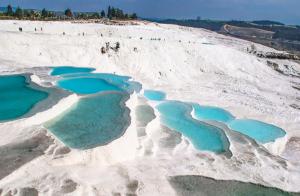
20 13
118 13
112 13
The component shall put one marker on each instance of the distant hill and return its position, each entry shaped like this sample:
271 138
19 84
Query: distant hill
266 22
206 24
270 33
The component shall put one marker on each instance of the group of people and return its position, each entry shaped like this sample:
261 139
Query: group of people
35 29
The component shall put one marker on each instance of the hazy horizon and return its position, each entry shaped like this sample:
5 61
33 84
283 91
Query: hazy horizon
286 11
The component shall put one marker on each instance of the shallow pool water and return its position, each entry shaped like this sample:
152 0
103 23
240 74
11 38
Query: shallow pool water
106 76
212 113
122 82
174 114
84 85
177 116
154 95
69 70
100 116
88 83
94 121
17 97
260 131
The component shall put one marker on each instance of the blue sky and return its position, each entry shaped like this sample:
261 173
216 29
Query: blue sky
287 11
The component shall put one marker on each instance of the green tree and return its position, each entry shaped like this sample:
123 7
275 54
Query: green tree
119 13
134 16
45 13
109 12
26 13
34 14
9 11
102 13
80 16
19 13
69 13
95 15
51 14
113 12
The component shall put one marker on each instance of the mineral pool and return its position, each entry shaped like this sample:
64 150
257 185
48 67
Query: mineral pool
100 115
17 97
93 121
174 114
56 71
154 95
260 131
84 85
177 116
212 113
89 83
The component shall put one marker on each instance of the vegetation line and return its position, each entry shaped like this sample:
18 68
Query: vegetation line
31 14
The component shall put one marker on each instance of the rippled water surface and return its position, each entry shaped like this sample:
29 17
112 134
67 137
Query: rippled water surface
212 113
93 121
260 131
84 85
154 95
17 97
69 70
176 115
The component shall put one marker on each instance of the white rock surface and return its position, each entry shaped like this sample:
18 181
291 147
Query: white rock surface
189 65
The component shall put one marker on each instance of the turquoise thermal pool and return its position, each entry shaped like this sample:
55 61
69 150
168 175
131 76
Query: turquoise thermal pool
87 85
260 131
212 113
100 116
93 121
154 95
177 116
69 70
17 97
105 92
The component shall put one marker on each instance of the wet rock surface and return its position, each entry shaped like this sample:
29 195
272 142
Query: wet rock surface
15 155
203 186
